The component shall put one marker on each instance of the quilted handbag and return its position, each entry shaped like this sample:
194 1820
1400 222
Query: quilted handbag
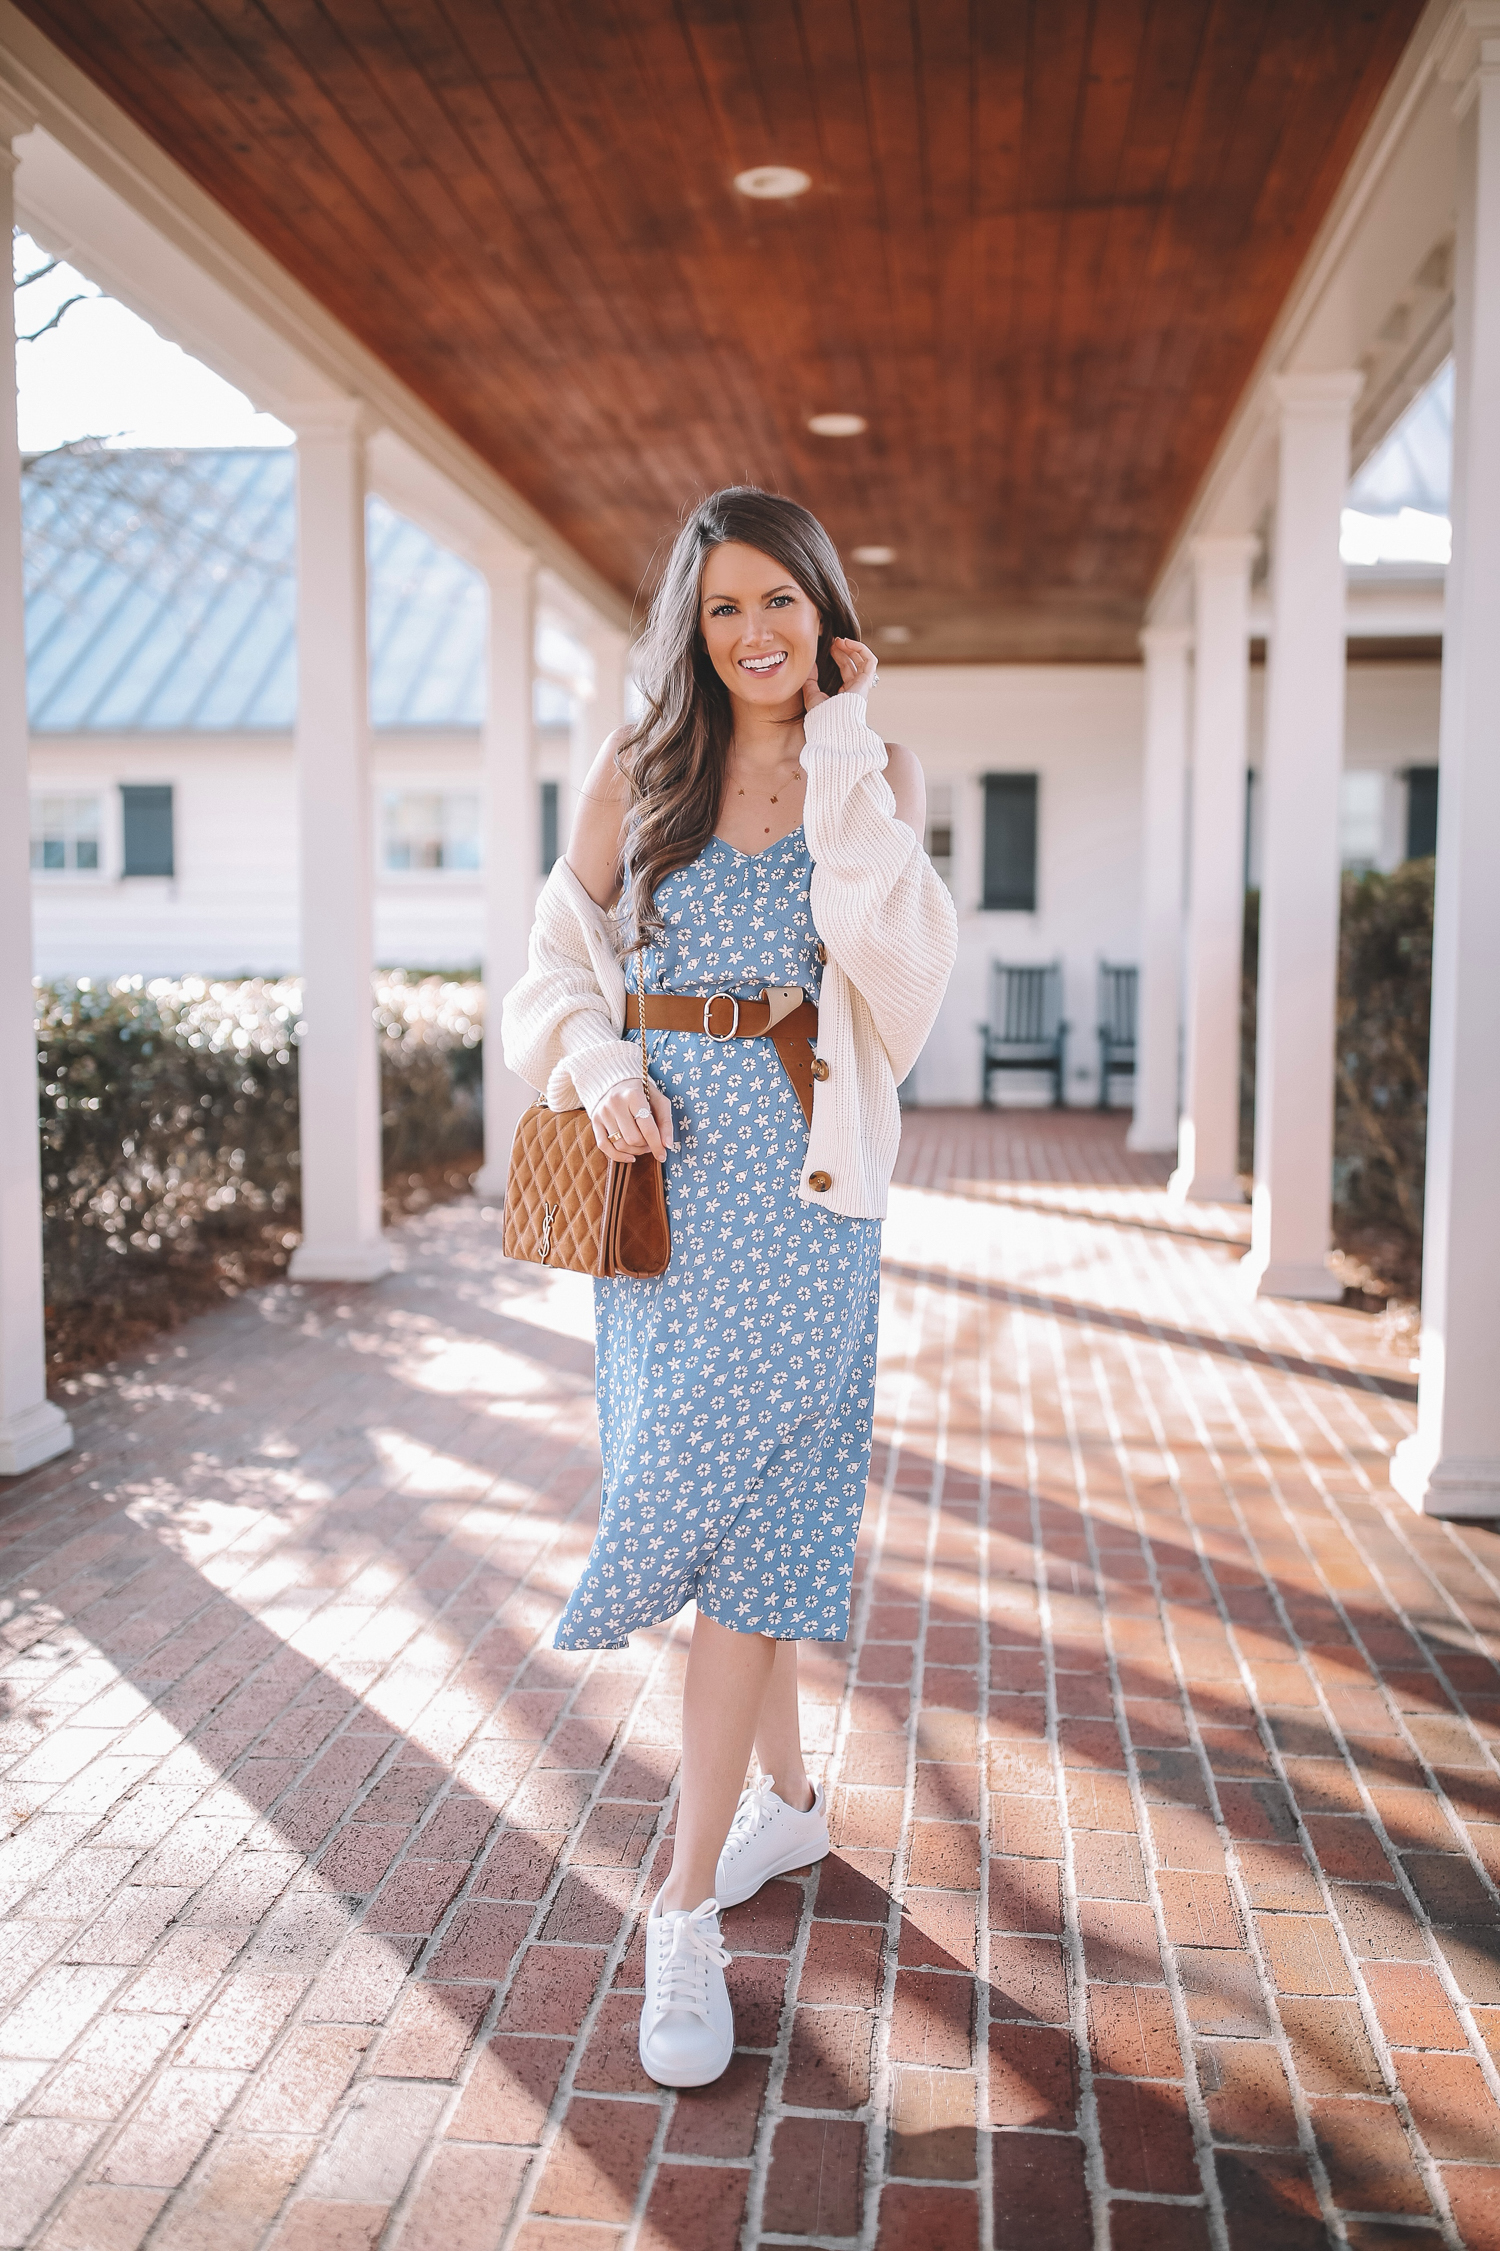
569 1205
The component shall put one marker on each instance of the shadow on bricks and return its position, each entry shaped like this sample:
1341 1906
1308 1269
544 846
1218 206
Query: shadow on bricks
1166 1814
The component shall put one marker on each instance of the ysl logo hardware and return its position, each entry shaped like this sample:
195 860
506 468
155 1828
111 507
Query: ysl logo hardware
549 1213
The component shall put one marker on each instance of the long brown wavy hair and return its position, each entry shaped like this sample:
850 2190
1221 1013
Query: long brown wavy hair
675 757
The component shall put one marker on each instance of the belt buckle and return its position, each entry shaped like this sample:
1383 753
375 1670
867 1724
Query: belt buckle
734 1025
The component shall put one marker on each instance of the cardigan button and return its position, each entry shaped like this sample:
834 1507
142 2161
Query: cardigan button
820 1182
820 1068
822 952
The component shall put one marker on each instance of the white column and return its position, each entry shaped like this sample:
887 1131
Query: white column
1209 1128
1163 816
1451 1466
512 836
338 1067
32 1430
1301 768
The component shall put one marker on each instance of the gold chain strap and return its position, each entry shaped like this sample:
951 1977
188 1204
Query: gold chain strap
640 1007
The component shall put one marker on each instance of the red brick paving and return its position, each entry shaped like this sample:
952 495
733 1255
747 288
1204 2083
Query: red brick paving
1163 1910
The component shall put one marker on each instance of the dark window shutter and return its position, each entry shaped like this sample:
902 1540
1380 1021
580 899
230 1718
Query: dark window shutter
1421 812
1010 842
148 828
1252 808
549 826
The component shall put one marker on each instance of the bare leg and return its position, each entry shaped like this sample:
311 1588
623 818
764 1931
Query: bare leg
778 1738
727 1677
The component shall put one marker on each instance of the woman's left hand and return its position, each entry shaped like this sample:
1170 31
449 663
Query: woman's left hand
857 666
632 1121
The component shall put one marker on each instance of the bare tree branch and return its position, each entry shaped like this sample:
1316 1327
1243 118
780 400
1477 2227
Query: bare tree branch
96 441
24 281
81 299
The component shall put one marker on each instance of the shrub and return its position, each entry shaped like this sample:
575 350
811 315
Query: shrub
169 1121
1380 1123
431 1069
1380 1075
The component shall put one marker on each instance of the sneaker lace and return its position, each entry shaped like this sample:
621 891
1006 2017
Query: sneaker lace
682 1978
751 1811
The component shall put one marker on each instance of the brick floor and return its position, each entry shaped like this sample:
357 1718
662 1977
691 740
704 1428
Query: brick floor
1163 1911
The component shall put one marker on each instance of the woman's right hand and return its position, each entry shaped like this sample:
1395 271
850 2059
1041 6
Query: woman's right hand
626 1129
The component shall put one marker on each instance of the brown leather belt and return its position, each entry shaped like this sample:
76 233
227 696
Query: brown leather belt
721 1017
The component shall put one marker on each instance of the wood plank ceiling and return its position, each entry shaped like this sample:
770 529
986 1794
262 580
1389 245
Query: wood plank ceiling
1044 243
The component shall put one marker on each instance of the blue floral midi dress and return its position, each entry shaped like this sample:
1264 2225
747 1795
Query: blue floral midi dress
736 1390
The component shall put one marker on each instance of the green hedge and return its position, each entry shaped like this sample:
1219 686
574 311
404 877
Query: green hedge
169 1113
1380 1122
1380 1084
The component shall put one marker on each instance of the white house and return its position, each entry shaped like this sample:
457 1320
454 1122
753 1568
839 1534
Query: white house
162 683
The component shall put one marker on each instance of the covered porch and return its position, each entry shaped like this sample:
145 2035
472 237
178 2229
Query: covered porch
1163 1907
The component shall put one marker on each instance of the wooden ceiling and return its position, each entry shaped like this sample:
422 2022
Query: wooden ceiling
1044 243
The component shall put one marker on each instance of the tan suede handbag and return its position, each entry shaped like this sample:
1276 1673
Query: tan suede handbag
568 1205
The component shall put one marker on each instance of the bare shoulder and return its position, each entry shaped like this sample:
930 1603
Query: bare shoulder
903 770
599 824
604 779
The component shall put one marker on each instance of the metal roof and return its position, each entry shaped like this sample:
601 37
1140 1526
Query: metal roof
160 596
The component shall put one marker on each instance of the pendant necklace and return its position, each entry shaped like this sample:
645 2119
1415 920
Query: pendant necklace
775 800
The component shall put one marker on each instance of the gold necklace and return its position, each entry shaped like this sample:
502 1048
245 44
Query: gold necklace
797 775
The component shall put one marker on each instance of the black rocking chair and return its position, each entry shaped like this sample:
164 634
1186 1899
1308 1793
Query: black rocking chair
1117 989
1026 1031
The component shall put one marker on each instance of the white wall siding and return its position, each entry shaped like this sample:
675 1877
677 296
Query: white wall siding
231 906
430 918
1079 729
1390 723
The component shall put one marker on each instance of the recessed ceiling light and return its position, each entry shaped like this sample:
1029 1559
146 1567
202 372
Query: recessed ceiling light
874 555
772 183
837 425
895 634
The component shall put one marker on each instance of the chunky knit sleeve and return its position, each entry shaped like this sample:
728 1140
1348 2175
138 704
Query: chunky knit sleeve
884 915
560 1024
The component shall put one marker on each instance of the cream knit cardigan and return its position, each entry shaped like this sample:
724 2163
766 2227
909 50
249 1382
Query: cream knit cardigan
890 932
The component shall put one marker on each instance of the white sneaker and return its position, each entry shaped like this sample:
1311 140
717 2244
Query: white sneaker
766 1838
687 2025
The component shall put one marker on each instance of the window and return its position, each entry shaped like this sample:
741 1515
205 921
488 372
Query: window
1421 811
1010 842
65 834
549 795
429 829
1361 821
148 828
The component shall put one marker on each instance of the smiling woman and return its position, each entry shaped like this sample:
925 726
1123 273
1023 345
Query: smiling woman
752 600
760 629
760 844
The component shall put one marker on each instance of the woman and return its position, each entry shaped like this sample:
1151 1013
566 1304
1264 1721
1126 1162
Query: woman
748 837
